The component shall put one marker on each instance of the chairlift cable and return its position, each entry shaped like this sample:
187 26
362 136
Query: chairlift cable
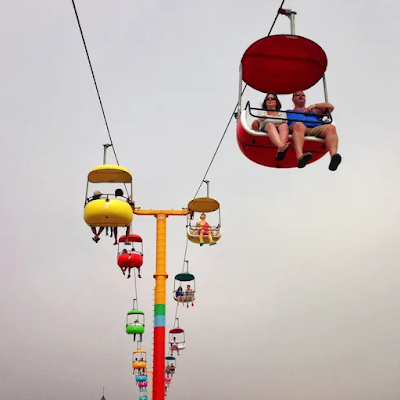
176 311
219 145
184 256
183 270
95 82
234 110
136 292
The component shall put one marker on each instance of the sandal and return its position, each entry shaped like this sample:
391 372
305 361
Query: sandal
303 160
335 161
281 154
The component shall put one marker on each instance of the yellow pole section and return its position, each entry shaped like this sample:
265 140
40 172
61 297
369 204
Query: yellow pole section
161 254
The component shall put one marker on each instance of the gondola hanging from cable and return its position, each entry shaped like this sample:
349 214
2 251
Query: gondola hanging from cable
282 64
133 256
135 322
139 361
202 232
185 294
109 209
170 364
176 338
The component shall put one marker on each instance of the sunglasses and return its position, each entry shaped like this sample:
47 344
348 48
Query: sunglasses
270 98
300 94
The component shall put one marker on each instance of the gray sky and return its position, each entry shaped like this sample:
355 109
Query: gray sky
300 298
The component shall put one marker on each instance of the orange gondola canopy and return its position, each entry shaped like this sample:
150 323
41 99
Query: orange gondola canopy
283 64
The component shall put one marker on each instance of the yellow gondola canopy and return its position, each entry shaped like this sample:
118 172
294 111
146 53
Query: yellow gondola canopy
109 174
203 204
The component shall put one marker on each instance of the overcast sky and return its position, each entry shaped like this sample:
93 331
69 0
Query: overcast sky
299 300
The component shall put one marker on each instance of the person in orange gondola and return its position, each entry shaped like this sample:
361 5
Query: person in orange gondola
311 125
203 228
277 129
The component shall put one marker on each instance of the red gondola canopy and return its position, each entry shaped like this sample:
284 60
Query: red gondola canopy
283 64
132 238
176 330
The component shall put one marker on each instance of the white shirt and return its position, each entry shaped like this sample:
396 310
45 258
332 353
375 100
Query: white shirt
265 114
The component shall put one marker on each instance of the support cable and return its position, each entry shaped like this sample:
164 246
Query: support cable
234 110
94 80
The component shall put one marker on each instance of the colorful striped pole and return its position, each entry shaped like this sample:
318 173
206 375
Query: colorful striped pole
160 276
159 311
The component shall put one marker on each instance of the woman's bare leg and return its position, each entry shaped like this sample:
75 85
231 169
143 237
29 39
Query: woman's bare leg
274 136
284 134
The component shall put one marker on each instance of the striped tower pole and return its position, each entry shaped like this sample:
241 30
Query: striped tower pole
160 276
159 310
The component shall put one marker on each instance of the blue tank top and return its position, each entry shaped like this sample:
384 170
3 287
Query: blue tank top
308 120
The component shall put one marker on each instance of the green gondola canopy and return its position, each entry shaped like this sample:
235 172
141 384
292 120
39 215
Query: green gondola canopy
184 277
134 312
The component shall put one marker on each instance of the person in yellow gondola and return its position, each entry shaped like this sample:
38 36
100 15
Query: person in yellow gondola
189 294
172 369
203 228
96 196
120 193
